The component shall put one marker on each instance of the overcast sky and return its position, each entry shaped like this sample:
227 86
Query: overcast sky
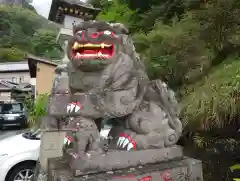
43 6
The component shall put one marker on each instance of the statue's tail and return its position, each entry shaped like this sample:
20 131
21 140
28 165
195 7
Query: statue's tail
169 104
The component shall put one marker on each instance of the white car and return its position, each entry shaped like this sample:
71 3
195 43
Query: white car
19 155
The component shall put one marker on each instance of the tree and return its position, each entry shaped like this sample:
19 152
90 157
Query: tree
44 44
18 27
11 55
115 11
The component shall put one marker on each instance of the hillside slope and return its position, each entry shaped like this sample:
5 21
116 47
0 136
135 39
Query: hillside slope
213 102
24 31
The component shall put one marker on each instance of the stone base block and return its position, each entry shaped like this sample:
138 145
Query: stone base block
181 169
51 147
117 159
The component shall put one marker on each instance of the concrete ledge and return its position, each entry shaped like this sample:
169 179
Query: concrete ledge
115 160
181 169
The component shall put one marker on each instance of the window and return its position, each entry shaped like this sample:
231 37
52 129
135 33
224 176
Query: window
11 108
5 94
21 79
14 79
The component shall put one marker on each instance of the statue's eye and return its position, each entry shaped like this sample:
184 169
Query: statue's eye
107 32
79 33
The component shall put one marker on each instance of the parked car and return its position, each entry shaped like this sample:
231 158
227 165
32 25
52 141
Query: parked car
12 114
19 155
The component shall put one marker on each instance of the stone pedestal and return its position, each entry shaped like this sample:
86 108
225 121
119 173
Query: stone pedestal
117 159
51 146
178 169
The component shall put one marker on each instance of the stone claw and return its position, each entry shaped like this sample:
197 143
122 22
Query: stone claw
73 107
67 140
125 141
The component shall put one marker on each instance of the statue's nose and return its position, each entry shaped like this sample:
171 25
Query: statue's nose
91 34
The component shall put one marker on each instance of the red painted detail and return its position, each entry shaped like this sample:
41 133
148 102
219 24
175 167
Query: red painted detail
166 176
130 139
95 35
83 36
70 138
78 104
147 178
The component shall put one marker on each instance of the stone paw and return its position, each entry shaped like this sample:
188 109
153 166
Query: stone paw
74 107
125 141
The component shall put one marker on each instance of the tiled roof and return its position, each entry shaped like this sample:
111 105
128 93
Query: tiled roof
10 66
10 85
43 60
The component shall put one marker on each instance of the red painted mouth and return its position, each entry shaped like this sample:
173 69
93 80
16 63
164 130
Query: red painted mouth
89 50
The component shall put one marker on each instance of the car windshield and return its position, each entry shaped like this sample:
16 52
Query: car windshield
33 134
11 108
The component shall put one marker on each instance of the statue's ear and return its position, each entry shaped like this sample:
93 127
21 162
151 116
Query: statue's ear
76 28
120 28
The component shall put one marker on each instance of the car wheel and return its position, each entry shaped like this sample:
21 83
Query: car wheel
22 172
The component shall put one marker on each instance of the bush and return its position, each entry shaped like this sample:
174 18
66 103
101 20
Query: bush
174 53
18 27
38 110
115 11
213 102
11 54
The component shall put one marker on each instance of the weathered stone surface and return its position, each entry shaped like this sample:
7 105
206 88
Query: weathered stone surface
60 85
117 159
58 104
51 146
184 169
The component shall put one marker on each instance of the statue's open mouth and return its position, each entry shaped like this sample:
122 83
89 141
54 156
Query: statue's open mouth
89 50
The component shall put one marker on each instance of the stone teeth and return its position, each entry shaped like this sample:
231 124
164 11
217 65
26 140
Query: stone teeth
91 45
75 45
87 45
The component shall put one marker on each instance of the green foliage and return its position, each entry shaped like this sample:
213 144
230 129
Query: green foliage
220 23
228 144
29 103
45 45
11 55
213 102
38 110
18 27
164 11
174 52
115 11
